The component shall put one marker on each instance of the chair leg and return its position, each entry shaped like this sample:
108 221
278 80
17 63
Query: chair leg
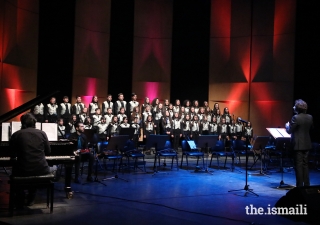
218 161
52 197
210 160
225 162
256 158
203 161
136 164
232 165
11 198
128 163
239 159
144 164
187 160
182 161
172 162
120 165
177 162
48 196
155 161
198 160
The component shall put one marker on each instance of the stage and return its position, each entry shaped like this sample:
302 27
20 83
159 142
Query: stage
171 198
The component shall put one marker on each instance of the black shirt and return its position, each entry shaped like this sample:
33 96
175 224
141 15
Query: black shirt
30 146
83 138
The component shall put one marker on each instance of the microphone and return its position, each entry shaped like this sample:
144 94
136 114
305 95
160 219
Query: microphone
241 120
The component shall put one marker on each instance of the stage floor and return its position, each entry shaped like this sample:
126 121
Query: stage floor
175 197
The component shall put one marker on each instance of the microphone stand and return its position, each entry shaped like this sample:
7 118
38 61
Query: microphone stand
246 186
96 169
97 163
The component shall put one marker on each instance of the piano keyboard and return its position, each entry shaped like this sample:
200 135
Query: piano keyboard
4 158
60 157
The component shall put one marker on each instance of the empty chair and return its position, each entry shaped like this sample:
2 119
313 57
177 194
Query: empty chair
188 151
133 154
159 142
106 154
220 151
239 148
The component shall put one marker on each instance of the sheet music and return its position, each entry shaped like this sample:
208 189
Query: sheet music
51 129
278 132
38 125
192 145
284 132
5 129
15 126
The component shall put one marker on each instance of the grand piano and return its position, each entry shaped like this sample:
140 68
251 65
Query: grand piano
61 151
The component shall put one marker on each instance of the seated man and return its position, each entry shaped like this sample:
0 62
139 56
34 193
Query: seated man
29 146
81 143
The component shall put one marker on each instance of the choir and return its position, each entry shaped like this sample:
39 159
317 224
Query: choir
188 120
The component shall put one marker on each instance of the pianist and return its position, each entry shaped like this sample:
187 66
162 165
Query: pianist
81 143
29 147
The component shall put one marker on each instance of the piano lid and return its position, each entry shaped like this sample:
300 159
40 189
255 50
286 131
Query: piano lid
26 106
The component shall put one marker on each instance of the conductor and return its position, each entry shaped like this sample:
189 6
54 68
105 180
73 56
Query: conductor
299 128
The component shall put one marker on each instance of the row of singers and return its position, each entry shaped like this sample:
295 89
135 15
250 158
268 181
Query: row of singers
52 111
187 127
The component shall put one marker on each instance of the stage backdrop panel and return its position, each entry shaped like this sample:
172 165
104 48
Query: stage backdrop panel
251 60
152 49
91 49
272 70
230 56
18 52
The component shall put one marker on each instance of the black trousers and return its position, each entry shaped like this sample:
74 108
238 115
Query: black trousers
136 140
301 167
147 133
39 118
66 119
176 138
52 118
82 158
157 128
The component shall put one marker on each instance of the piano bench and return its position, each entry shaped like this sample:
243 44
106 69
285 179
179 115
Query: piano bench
22 183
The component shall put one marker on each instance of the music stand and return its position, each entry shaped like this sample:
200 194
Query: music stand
127 131
246 186
116 143
283 143
130 132
259 144
96 167
205 142
90 133
158 142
